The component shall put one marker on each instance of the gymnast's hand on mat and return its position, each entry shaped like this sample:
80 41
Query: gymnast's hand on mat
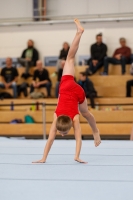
39 161
80 161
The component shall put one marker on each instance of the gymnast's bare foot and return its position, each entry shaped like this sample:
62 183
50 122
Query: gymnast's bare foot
80 161
80 29
97 139
39 161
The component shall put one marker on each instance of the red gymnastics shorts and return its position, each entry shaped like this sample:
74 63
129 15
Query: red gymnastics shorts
70 95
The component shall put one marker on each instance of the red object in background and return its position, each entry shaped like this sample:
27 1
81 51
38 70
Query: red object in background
37 105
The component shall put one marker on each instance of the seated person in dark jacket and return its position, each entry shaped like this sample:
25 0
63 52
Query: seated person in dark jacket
121 56
129 85
98 52
43 76
59 75
62 56
28 58
9 77
88 87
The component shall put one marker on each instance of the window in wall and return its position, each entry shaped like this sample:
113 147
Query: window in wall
39 10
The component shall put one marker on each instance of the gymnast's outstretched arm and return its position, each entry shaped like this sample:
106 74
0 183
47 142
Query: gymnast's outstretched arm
49 143
77 132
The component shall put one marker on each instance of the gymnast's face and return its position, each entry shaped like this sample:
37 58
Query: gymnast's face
63 133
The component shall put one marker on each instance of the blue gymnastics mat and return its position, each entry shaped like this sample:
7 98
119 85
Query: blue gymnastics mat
107 176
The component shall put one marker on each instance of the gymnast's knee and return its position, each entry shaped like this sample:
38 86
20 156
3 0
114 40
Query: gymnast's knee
85 114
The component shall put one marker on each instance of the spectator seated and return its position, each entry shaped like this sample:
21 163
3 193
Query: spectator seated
43 79
28 58
88 88
62 56
9 77
121 56
98 53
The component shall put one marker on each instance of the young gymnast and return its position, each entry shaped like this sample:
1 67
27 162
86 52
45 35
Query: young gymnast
71 97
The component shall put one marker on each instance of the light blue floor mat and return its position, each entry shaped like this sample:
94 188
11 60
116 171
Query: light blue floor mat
107 176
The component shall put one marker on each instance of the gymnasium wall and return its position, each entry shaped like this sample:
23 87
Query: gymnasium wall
23 8
71 7
16 9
